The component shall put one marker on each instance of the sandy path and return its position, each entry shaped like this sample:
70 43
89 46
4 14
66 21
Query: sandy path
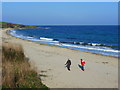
50 60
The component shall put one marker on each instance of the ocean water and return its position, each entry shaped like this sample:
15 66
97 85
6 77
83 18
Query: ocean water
96 39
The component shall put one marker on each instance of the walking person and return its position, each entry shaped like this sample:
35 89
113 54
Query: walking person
83 64
68 63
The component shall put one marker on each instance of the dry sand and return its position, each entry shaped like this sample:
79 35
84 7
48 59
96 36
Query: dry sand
50 60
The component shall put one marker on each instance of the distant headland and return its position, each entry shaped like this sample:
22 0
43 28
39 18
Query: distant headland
12 25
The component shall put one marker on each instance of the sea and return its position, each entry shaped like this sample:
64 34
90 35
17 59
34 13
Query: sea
89 38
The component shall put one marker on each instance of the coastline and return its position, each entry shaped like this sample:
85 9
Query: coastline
56 46
50 59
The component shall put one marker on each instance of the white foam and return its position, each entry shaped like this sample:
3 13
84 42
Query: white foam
29 37
91 48
35 39
81 42
94 44
13 31
56 41
47 28
47 39
21 35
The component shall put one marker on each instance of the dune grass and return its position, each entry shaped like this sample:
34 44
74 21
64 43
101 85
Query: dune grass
16 70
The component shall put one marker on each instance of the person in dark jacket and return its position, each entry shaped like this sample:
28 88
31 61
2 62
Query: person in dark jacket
68 63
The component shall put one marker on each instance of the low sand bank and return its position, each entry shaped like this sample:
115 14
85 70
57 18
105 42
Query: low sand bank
100 71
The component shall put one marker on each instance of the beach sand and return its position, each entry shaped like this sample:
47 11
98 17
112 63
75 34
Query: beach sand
100 71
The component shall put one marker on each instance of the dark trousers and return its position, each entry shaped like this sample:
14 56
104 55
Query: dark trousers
82 68
68 67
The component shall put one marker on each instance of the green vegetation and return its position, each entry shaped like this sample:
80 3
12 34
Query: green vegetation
11 25
16 70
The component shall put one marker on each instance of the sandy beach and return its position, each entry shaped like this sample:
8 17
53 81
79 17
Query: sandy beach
100 71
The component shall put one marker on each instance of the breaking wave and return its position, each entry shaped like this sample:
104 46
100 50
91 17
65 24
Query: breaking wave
82 46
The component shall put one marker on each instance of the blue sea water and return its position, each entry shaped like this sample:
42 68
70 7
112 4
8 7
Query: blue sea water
96 39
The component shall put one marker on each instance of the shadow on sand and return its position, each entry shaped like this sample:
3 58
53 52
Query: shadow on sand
80 67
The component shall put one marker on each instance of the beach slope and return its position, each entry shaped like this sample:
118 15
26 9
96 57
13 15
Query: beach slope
100 71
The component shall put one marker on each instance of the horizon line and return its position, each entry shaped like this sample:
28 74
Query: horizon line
57 24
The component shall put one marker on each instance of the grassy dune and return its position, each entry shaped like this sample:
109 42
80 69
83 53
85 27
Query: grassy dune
16 70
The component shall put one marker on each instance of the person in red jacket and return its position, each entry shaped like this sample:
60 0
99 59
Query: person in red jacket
83 64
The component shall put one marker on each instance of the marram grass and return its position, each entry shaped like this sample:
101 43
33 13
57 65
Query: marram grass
16 70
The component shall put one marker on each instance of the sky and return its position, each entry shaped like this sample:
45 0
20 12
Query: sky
60 0
60 13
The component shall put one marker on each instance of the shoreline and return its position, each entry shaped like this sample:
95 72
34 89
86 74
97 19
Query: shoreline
57 46
100 72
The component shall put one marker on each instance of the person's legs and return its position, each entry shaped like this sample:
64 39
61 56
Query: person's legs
83 68
68 67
